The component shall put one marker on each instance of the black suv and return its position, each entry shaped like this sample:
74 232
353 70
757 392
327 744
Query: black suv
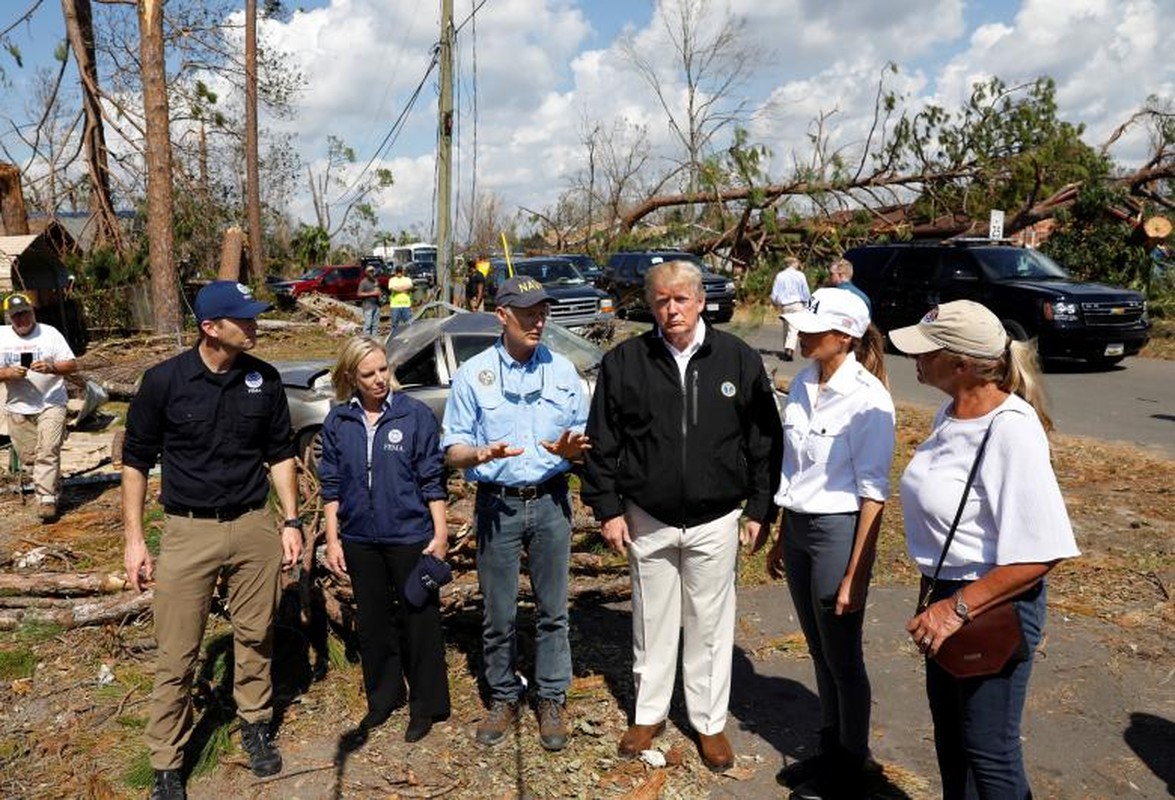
574 302
624 278
1030 292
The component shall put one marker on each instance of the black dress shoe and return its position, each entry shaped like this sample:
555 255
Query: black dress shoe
418 728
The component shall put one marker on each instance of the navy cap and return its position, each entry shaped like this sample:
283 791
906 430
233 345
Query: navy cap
521 291
227 299
429 575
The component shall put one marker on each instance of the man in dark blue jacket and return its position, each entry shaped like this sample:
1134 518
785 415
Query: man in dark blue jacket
684 429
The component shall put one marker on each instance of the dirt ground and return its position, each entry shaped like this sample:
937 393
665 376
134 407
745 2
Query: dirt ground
1100 721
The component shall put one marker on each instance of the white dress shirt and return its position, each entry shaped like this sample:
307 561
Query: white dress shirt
838 441
682 357
790 286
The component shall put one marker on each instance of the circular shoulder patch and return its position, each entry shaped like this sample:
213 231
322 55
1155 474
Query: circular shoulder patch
486 377
254 380
727 389
395 436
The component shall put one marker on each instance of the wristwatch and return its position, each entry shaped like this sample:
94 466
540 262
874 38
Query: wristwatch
962 610
293 522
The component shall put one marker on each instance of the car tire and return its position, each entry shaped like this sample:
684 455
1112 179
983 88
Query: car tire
308 447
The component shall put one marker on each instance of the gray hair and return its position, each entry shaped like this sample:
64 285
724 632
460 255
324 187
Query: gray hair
673 273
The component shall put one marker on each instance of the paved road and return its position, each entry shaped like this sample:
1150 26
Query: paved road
1133 402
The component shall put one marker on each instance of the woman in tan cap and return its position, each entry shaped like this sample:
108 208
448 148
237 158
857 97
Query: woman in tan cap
985 522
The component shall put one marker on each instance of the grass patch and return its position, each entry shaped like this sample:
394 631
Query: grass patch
36 631
153 518
18 663
139 774
1162 342
217 745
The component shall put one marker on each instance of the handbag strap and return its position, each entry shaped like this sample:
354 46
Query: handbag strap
926 595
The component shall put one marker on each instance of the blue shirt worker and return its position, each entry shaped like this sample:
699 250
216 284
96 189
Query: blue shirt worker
514 422
214 416
840 275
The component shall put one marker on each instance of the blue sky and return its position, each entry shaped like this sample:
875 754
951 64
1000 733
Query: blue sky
546 68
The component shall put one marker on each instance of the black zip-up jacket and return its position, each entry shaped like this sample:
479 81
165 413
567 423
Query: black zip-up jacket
685 455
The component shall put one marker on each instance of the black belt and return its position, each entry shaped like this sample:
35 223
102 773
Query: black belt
221 513
532 492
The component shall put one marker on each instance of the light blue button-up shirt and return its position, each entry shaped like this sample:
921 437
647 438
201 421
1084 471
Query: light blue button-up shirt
494 398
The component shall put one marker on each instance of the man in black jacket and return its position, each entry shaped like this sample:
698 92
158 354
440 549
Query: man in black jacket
684 430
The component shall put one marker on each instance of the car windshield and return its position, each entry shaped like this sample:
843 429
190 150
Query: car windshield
1015 263
561 272
579 351
312 273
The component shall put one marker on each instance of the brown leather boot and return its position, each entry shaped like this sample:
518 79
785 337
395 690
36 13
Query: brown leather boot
715 751
639 738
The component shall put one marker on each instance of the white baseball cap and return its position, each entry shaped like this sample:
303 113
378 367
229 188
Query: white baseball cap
831 309
961 326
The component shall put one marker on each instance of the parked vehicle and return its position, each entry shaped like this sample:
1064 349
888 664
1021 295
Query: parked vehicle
624 278
1030 292
587 266
338 281
424 356
575 303
422 273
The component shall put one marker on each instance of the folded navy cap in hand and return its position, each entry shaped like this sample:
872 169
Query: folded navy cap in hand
429 575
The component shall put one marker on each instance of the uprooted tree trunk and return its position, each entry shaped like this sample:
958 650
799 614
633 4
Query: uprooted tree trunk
79 614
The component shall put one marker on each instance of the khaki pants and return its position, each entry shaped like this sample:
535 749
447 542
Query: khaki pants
682 588
38 439
790 334
193 555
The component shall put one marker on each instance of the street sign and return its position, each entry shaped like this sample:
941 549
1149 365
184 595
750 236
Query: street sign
995 224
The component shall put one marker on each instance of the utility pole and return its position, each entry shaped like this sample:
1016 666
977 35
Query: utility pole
445 152
252 171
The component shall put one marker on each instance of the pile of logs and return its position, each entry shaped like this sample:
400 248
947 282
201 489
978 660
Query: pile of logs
67 599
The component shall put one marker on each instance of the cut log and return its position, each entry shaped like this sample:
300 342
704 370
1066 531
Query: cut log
60 584
114 609
230 255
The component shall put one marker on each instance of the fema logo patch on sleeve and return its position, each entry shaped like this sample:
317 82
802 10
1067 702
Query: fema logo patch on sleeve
254 380
728 389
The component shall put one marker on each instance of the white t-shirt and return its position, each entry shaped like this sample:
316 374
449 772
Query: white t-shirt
682 357
1014 513
837 441
35 392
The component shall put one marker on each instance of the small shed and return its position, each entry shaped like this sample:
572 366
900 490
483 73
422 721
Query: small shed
34 264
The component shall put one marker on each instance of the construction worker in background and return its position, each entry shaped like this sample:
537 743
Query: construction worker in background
400 287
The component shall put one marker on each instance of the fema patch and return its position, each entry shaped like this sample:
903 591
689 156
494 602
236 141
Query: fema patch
254 380
931 315
486 377
727 389
395 436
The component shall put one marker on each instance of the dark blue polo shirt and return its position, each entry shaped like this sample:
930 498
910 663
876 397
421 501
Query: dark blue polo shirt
214 431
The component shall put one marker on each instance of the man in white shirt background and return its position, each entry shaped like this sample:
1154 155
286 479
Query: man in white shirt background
33 358
790 293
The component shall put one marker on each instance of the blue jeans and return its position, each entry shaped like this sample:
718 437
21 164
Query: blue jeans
400 316
816 552
977 720
505 527
371 321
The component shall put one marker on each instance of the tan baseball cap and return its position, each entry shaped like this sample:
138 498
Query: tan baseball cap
961 326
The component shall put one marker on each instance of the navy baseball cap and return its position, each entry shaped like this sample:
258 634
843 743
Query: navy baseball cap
521 291
429 575
221 299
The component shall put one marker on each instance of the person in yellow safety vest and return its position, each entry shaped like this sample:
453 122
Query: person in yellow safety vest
400 287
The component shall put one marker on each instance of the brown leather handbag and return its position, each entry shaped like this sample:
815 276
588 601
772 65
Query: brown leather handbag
986 644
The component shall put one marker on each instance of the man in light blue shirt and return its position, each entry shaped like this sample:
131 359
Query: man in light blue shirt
514 421
789 293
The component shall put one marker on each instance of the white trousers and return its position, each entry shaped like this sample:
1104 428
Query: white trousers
791 334
682 583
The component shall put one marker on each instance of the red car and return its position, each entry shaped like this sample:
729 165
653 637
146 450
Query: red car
340 281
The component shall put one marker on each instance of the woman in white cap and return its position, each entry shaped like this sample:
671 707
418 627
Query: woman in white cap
985 522
838 428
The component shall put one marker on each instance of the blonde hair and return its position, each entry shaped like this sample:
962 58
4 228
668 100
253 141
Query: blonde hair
1018 372
355 350
843 266
870 353
673 273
